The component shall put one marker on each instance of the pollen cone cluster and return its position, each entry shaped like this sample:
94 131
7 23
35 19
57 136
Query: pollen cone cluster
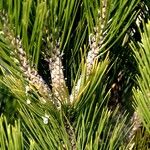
57 76
95 43
31 73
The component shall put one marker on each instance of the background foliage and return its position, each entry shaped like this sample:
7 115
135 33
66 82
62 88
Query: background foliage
74 74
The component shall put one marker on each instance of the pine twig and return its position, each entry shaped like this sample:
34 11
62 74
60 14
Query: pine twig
70 132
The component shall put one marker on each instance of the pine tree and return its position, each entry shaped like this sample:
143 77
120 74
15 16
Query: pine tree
74 74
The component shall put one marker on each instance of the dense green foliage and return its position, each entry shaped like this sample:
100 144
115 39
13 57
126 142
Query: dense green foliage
74 74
